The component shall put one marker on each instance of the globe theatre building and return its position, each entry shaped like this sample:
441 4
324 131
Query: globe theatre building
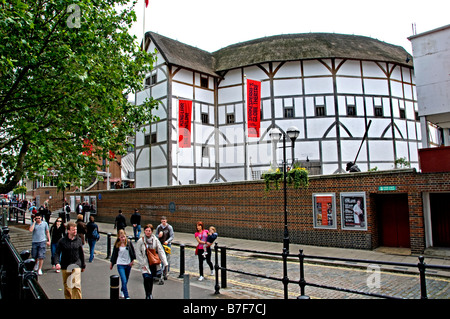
332 87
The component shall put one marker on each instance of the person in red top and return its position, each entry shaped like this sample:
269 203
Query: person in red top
201 235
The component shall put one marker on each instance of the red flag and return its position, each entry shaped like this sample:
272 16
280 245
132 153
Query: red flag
184 123
253 107
146 3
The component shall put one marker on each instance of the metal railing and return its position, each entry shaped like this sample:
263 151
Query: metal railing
302 282
17 279
10 212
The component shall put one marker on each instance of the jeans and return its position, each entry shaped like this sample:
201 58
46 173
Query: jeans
137 232
124 274
92 243
53 250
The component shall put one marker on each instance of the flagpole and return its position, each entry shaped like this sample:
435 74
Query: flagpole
246 140
143 26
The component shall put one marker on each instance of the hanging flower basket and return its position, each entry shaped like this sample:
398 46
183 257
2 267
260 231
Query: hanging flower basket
272 176
298 176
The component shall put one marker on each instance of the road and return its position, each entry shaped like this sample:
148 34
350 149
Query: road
373 279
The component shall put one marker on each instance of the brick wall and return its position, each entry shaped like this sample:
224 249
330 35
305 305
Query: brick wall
246 210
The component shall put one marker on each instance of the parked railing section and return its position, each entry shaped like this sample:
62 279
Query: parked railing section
303 282
18 281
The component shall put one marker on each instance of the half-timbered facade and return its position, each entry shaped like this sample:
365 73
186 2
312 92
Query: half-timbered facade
329 86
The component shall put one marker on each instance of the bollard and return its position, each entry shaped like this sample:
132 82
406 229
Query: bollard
302 281
182 261
108 245
186 292
114 287
423 282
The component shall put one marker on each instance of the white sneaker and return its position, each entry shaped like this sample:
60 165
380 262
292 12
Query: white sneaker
39 272
212 272
200 278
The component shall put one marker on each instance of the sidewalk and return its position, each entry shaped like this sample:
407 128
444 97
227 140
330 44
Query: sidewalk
384 254
96 278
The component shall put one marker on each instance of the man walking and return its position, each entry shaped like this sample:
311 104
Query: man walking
69 257
135 220
120 222
165 235
40 238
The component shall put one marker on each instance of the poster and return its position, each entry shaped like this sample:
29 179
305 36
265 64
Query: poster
353 211
253 107
324 211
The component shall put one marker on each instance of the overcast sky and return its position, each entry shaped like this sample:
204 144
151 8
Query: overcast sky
211 24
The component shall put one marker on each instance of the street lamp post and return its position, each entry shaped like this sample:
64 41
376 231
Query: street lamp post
276 135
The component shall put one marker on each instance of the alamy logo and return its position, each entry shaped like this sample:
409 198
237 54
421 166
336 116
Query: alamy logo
74 19
72 279
374 278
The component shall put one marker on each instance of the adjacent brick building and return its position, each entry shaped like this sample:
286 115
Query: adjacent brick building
402 208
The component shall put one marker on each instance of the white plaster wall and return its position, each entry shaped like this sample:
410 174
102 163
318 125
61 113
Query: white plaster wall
381 151
289 69
287 87
142 179
159 155
142 158
159 177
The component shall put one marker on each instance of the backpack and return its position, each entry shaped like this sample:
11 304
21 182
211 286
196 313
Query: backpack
95 234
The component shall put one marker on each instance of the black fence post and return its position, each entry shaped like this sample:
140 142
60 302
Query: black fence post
423 282
108 245
302 281
216 267
285 279
223 265
114 287
182 260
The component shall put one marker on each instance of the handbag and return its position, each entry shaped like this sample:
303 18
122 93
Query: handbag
153 258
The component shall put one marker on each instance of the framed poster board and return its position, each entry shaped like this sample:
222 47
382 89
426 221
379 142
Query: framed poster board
324 210
353 211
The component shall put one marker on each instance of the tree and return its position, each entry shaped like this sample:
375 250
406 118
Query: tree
66 68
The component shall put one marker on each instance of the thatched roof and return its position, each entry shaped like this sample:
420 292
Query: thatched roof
291 47
288 47
180 54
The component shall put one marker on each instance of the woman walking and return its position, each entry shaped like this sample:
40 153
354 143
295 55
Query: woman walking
123 255
57 231
149 241
201 235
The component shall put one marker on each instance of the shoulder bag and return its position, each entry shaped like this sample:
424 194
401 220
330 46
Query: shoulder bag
153 257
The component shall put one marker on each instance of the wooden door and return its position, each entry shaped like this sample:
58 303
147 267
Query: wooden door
440 219
393 217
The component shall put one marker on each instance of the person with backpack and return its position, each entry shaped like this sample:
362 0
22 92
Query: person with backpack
92 235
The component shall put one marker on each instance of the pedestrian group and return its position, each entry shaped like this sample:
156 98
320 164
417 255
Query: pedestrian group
152 250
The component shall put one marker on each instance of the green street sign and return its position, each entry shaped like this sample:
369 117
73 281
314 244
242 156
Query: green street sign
387 188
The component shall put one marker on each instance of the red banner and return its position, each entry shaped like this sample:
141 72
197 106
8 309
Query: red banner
253 107
184 123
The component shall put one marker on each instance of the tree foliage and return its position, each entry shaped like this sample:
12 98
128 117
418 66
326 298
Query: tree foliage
66 68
